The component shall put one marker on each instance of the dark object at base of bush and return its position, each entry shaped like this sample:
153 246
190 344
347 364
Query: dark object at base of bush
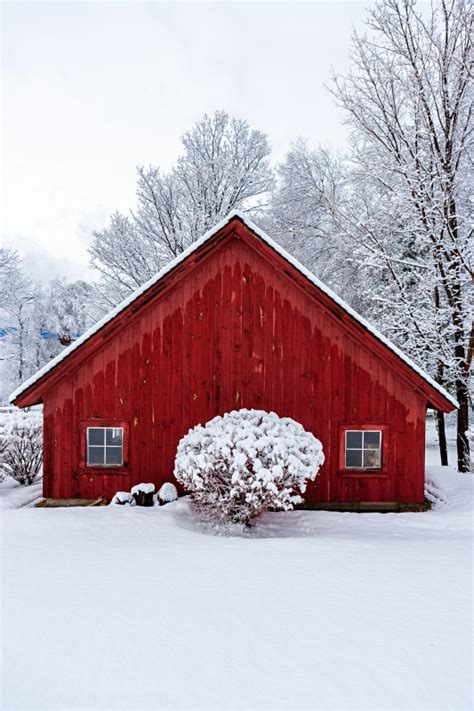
143 494
144 498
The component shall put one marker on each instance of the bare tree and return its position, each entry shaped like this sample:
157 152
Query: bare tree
224 165
40 320
18 294
66 310
9 264
408 100
312 187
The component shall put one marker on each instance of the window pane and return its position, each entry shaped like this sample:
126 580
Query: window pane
96 435
354 458
371 459
354 440
371 440
114 455
114 436
95 455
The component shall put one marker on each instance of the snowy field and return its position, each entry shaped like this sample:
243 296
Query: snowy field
132 608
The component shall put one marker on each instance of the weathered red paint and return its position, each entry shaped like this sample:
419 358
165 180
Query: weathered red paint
234 325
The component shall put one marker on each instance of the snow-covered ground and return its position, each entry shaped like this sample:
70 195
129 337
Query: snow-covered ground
136 608
14 496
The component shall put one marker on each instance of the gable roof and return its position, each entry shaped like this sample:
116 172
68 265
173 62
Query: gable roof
233 215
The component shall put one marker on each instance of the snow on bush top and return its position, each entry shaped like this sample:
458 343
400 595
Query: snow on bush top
123 497
247 461
167 492
145 488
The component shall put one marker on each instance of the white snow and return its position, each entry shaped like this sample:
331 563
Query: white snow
118 608
122 497
181 257
145 488
168 492
14 496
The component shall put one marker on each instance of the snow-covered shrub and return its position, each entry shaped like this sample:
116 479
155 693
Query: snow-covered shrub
3 472
246 462
143 494
167 493
122 498
21 445
3 449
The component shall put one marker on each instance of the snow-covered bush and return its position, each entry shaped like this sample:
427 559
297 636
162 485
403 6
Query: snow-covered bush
246 462
21 445
167 493
143 494
122 498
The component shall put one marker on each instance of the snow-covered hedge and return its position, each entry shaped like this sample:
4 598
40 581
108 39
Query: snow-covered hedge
246 462
21 445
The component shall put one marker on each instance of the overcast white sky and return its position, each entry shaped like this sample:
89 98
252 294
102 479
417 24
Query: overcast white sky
91 89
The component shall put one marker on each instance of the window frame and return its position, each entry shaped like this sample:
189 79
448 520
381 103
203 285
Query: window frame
102 423
385 451
104 447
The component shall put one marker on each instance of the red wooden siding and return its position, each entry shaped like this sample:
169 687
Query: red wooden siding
238 328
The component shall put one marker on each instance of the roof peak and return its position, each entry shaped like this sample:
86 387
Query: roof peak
248 222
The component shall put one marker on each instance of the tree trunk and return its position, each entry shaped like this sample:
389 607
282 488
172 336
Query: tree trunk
462 435
443 447
440 421
21 358
462 377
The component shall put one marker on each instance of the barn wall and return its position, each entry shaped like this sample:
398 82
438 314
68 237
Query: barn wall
234 333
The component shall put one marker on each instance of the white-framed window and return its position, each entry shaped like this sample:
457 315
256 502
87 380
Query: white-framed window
104 446
363 449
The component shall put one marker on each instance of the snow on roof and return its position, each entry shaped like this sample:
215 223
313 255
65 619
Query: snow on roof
180 258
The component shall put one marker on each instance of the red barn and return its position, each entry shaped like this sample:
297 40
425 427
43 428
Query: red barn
233 322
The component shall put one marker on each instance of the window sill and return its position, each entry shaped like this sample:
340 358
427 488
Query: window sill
104 469
355 474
